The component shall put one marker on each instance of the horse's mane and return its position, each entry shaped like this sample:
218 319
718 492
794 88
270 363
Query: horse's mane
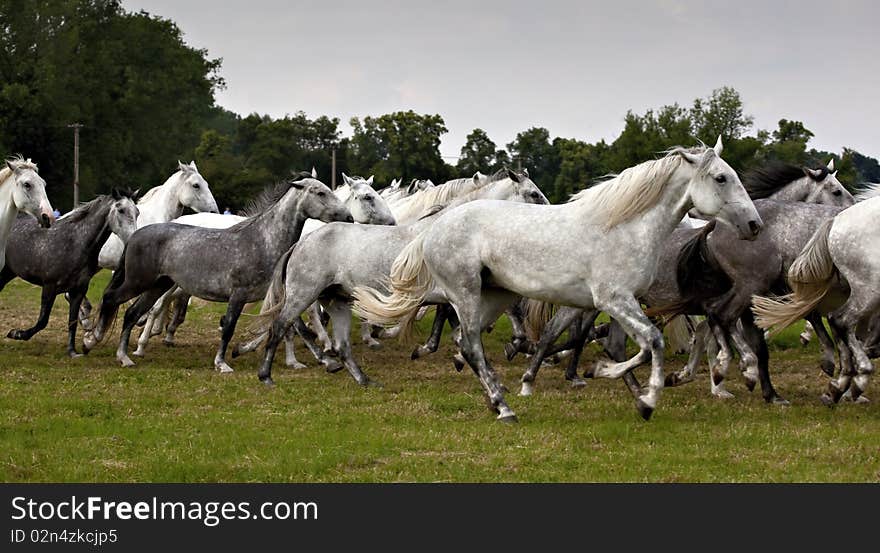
763 182
267 198
622 197
155 190
83 210
446 192
20 162
465 197
868 190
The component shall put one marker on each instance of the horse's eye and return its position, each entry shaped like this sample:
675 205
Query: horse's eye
321 193
720 179
196 185
27 186
838 193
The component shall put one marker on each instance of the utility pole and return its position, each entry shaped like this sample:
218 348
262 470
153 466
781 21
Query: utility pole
76 127
333 169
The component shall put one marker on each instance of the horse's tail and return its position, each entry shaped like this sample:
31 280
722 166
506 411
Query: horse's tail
115 282
276 295
679 334
697 272
810 278
410 282
537 314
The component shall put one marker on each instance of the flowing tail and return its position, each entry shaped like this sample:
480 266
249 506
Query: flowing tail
678 333
538 314
410 282
810 278
275 297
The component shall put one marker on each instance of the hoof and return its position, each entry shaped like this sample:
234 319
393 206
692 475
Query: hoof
527 389
776 400
235 351
721 393
750 384
139 352
827 400
644 409
510 351
296 366
330 352
672 380
375 346
167 343
508 419
267 380
370 383
223 368
125 361
862 399
416 353
332 366
457 364
578 382
827 367
74 354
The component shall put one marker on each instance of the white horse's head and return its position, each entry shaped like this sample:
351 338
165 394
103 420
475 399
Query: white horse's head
29 190
825 188
193 190
317 201
716 191
124 212
365 204
524 189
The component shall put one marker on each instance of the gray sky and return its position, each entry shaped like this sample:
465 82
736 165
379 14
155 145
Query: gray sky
573 67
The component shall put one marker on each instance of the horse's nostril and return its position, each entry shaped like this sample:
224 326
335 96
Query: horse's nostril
349 219
754 227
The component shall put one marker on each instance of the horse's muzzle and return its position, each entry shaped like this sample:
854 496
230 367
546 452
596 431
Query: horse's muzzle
46 219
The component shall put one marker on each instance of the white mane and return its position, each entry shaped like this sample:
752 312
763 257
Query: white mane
152 192
635 190
427 199
870 190
20 163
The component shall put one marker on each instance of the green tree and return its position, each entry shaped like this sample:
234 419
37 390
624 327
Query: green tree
480 154
533 150
403 144
720 114
579 164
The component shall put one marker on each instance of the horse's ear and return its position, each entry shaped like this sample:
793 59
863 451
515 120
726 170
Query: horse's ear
689 157
314 172
525 172
513 176
183 166
116 194
814 174
10 165
346 179
831 165
477 176
192 164
370 180
135 195
719 146
834 174
298 184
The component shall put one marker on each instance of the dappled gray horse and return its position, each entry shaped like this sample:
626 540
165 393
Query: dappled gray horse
64 257
226 265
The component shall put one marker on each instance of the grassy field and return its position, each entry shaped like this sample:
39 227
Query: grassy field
173 419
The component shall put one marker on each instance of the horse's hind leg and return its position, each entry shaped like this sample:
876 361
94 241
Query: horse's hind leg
317 325
230 319
814 319
290 350
580 330
628 313
289 315
433 342
367 335
47 300
340 317
856 311
563 318
699 336
181 305
75 297
154 319
754 337
719 368
134 313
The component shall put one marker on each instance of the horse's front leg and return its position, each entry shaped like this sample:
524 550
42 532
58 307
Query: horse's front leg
433 342
367 336
628 313
47 300
814 319
698 340
154 319
563 318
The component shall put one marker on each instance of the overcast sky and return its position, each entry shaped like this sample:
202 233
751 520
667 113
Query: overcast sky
574 67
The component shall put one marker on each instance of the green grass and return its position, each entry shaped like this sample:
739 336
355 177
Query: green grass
173 419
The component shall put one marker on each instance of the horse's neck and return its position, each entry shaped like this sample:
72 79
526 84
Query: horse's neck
161 207
94 229
283 223
795 191
8 213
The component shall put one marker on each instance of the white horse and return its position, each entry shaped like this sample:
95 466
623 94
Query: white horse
339 258
836 273
357 194
425 195
21 190
185 188
600 251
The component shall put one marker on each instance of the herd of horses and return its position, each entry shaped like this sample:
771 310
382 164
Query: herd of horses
678 241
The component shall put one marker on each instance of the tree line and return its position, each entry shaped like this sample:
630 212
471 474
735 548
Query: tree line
147 98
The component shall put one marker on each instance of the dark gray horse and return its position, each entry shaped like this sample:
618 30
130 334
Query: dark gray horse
64 257
231 265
